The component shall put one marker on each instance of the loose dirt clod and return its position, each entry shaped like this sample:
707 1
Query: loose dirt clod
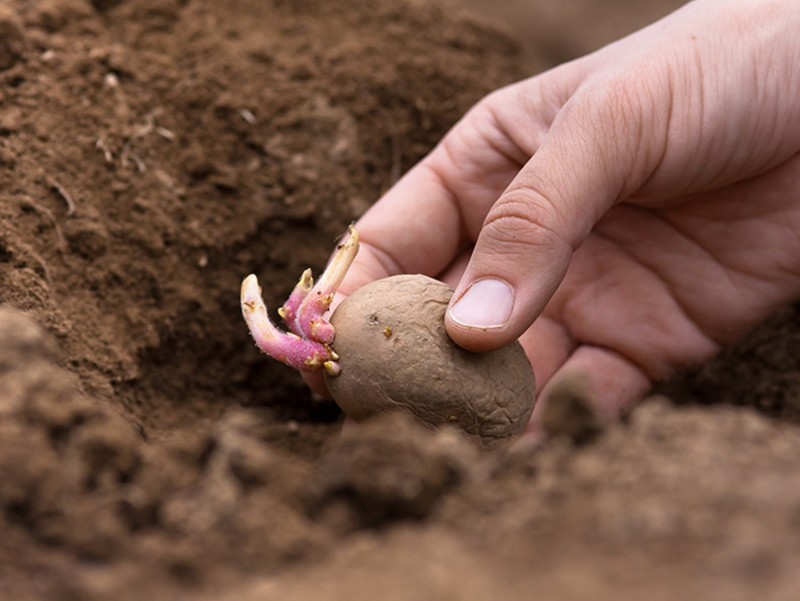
388 470
419 369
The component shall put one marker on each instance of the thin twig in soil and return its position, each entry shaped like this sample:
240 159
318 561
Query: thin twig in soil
103 146
62 192
165 133
127 156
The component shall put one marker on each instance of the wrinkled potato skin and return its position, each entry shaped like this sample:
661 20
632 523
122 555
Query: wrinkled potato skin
395 354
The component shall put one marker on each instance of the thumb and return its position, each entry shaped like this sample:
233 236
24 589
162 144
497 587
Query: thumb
593 155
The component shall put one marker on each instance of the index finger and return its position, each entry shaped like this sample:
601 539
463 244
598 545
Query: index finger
414 228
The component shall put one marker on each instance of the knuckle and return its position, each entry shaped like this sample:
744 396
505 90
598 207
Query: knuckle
622 98
524 217
625 126
487 107
479 115
615 107
614 104
621 95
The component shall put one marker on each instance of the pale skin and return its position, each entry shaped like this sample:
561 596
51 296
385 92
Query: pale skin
632 211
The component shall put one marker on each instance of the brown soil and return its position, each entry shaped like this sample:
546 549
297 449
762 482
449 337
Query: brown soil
152 152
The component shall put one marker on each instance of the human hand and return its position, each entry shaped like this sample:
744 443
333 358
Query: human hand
623 215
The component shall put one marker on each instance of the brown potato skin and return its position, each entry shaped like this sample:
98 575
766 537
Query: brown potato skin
396 355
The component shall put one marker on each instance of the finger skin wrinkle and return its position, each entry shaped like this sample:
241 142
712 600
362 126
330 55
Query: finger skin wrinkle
658 278
660 153
514 152
756 280
627 130
544 95
678 349
684 111
701 97
518 218
727 269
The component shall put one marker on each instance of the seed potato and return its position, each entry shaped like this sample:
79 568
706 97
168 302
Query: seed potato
396 355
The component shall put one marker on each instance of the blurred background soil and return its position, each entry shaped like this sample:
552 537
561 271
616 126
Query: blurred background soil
152 152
